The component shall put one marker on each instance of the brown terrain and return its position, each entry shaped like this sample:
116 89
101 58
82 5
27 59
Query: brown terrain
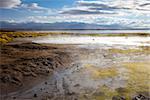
26 64
33 71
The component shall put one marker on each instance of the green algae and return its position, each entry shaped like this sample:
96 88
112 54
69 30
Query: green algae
6 37
138 74
97 73
142 49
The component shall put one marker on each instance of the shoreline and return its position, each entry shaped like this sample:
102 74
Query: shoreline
6 37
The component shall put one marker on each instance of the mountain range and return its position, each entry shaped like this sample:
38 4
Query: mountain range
58 26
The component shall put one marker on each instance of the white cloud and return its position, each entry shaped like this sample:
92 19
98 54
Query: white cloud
32 6
127 21
9 3
130 13
101 7
18 4
35 8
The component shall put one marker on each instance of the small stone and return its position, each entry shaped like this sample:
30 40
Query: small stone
99 93
121 90
118 98
46 83
35 95
14 97
76 85
140 97
70 93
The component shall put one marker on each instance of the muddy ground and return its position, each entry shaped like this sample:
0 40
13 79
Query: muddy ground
24 65
31 71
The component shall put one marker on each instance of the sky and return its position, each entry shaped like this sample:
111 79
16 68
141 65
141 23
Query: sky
130 13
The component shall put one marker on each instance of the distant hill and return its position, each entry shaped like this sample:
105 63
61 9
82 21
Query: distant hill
56 26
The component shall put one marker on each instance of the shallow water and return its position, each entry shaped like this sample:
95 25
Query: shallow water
135 41
97 31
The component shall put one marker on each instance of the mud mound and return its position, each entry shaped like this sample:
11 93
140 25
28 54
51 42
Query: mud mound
20 62
31 46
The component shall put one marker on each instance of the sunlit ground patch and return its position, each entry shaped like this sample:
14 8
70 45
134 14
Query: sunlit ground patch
139 76
138 82
6 37
97 73
141 49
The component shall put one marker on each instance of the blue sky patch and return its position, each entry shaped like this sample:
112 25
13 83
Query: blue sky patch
131 13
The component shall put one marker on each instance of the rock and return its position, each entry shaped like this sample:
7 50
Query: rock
17 69
70 93
121 90
14 97
76 85
35 95
118 98
5 78
99 93
17 79
46 83
140 97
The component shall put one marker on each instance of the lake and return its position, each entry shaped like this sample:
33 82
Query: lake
97 31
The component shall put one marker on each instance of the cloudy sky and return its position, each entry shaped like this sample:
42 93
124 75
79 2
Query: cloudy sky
130 13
